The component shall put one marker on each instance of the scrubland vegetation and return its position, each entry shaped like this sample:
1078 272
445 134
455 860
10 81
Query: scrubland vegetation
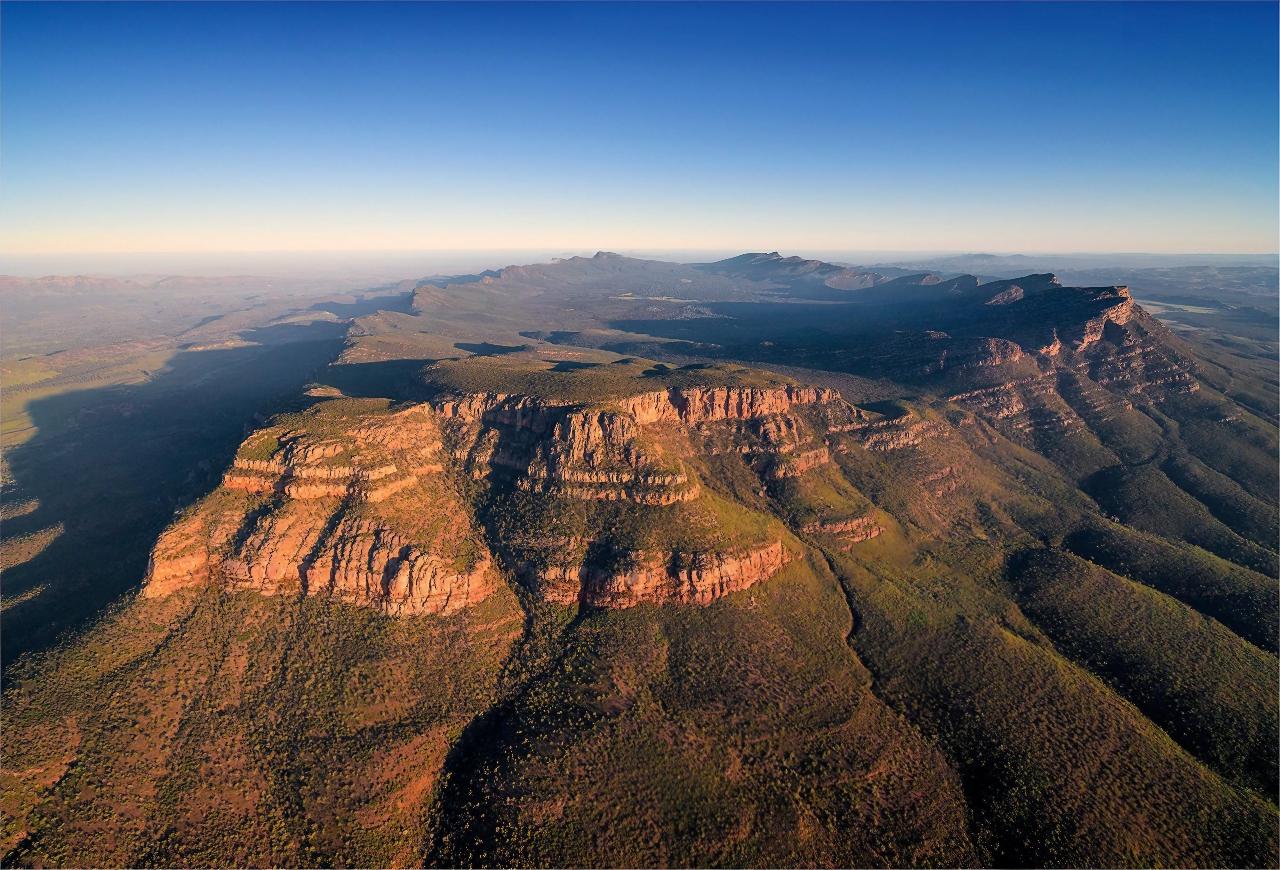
1051 641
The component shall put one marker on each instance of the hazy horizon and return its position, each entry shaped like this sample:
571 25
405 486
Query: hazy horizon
411 264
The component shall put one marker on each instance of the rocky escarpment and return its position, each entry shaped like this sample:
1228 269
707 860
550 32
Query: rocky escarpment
587 453
1136 359
1031 407
1086 395
613 451
896 433
1016 326
638 452
1063 325
1069 360
304 466
704 405
784 437
850 531
362 503
350 506
659 577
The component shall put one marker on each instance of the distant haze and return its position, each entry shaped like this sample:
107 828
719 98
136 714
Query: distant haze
378 266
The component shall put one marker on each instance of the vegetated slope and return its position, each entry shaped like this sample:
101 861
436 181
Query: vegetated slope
1057 769
207 728
693 736
1243 600
1209 689
495 597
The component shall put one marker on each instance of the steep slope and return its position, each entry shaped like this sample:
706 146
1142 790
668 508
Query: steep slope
347 499
1209 689
208 729
692 736
362 502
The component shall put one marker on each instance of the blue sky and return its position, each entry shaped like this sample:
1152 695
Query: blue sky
1001 126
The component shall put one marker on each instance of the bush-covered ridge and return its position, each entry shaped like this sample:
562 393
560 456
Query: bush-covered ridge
1023 613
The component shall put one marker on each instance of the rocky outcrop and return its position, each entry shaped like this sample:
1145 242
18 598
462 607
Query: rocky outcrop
360 561
359 505
883 436
1130 358
798 463
708 404
677 405
184 555
1030 406
572 451
306 466
995 403
659 578
850 531
1118 309
1012 294
346 505
990 352
942 481
1101 364
603 452
1052 348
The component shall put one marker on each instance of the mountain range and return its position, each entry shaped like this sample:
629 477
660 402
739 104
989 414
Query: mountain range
758 562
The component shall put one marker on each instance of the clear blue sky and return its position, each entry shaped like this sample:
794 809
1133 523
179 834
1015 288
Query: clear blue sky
915 126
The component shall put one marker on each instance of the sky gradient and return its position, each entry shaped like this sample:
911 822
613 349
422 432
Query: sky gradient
295 127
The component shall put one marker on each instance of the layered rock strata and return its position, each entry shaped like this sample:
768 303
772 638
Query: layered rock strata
344 508
606 452
851 531
659 578
364 506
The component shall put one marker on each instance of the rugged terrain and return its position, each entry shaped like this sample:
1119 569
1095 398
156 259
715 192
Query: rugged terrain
760 562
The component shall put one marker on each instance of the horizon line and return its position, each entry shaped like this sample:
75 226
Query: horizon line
995 252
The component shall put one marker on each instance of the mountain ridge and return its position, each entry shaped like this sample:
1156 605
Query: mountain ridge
550 568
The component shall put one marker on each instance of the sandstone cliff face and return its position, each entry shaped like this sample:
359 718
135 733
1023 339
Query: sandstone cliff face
1127 356
184 554
607 453
851 531
352 508
701 405
363 506
659 578
1095 354
587 453
1118 309
360 561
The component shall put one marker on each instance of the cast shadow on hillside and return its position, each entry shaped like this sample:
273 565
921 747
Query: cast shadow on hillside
398 379
486 348
114 463
398 302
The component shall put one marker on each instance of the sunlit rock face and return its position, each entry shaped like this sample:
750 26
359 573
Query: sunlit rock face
366 505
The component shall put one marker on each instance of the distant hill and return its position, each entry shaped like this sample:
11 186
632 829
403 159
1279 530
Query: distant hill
1230 279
